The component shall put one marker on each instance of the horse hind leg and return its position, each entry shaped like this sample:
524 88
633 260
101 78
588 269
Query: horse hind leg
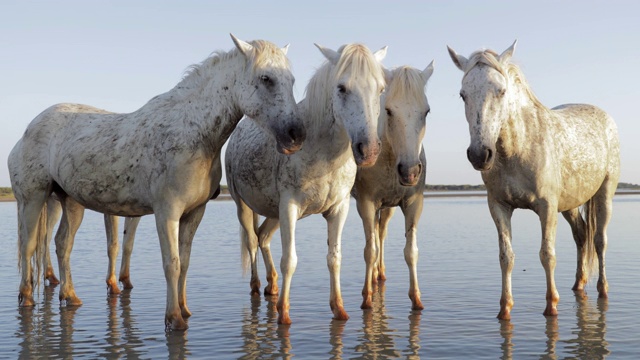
380 272
72 214
53 215
578 229
130 227
603 207
111 228
249 247
31 228
265 234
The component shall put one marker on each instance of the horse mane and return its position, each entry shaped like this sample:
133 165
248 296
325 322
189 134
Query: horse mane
509 70
406 83
355 59
265 54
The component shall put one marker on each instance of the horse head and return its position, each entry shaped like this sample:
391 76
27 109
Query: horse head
487 101
357 80
265 93
404 119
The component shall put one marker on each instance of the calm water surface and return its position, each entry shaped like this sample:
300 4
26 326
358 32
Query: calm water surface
459 279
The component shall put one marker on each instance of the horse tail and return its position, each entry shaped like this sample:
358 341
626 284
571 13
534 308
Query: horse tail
591 257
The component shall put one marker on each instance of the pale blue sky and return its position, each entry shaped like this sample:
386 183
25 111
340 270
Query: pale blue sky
117 55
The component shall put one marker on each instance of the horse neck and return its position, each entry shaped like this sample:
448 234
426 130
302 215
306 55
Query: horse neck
324 131
204 108
523 126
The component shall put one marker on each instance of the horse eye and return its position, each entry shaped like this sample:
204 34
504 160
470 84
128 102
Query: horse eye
342 89
382 90
265 79
389 113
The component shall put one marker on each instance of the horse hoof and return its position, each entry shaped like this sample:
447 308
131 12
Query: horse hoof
550 311
284 319
26 301
340 314
185 312
417 306
53 280
271 290
126 283
504 315
367 304
71 301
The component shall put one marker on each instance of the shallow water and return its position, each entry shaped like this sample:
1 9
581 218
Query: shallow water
459 279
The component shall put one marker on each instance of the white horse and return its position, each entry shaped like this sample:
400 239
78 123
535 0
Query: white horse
340 112
397 178
163 159
546 160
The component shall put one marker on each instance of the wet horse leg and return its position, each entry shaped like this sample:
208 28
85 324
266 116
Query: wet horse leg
54 209
368 214
265 234
412 214
130 227
604 208
335 223
72 214
188 226
379 271
549 221
289 213
248 226
29 213
578 225
502 218
111 228
168 225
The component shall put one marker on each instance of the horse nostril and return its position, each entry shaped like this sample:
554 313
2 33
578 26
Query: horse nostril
400 169
469 154
419 170
488 155
360 148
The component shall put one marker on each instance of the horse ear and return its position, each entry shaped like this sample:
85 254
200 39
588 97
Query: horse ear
285 49
244 47
331 55
388 74
427 72
380 54
507 54
459 60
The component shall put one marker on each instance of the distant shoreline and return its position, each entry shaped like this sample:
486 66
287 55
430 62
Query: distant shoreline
427 194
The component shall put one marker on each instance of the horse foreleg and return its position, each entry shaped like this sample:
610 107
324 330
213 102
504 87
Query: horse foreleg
367 212
188 226
130 227
265 234
54 209
502 218
549 221
381 235
335 223
289 214
111 228
249 248
411 216
72 214
577 225
168 228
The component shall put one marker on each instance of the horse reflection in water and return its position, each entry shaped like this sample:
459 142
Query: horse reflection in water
546 160
588 335
261 332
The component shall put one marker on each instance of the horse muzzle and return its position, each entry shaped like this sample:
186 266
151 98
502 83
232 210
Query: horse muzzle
482 159
291 140
409 175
